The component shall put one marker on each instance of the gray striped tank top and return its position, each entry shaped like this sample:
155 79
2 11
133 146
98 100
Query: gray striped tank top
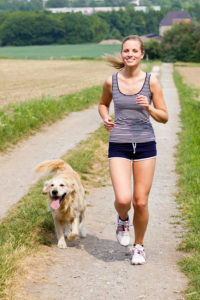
132 124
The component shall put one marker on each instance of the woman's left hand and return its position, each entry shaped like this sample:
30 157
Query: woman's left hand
143 101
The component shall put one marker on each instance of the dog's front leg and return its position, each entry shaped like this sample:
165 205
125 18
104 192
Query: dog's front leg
75 229
60 234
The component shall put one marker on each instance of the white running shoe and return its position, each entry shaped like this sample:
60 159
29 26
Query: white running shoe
138 255
122 232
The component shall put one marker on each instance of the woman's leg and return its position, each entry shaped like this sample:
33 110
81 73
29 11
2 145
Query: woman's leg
143 172
120 172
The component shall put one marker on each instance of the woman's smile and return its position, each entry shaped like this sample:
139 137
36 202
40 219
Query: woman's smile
130 59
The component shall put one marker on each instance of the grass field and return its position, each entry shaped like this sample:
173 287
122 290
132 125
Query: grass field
20 120
188 168
93 51
22 80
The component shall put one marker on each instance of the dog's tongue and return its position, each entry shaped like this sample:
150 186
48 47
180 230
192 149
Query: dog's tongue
55 204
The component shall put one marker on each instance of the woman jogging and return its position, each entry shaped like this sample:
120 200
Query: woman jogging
132 146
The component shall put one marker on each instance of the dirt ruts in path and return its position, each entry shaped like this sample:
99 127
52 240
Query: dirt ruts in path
98 267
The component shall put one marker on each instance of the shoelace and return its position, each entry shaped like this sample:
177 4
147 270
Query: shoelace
116 224
137 251
123 226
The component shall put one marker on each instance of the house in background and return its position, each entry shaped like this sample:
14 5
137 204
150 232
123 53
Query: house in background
150 36
173 17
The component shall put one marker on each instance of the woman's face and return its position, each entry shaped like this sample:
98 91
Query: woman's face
131 53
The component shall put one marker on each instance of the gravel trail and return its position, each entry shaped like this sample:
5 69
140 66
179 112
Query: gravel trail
97 267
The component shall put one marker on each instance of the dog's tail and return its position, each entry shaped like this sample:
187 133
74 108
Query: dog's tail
52 166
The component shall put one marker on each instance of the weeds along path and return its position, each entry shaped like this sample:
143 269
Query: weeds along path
16 167
98 267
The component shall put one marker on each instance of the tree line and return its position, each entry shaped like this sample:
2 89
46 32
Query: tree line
86 3
182 42
173 4
30 28
192 6
24 5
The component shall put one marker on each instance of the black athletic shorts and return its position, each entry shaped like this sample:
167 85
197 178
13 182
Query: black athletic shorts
132 151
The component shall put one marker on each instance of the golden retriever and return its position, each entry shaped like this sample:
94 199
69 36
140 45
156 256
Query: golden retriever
66 200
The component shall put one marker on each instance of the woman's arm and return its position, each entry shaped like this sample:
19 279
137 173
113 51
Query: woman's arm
158 111
104 104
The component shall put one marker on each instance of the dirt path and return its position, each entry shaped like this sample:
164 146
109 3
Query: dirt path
98 267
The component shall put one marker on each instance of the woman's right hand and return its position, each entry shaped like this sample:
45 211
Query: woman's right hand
108 124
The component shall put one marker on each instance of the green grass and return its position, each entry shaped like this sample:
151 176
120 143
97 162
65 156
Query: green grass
29 224
92 51
188 167
22 119
18 232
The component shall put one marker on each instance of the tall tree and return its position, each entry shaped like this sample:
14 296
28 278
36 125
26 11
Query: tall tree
182 42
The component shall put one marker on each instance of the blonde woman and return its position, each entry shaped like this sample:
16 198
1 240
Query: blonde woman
132 145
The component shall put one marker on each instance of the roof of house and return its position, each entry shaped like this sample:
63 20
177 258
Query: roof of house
174 15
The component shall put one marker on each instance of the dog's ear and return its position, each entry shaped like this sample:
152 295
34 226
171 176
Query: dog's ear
46 187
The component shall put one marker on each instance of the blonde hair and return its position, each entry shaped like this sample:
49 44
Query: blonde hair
116 60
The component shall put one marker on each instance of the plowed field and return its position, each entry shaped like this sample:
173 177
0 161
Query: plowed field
22 80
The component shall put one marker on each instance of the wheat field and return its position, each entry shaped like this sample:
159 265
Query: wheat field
22 80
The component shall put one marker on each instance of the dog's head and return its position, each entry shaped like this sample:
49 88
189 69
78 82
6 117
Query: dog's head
58 189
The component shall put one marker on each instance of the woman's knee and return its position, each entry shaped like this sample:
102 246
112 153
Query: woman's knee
140 204
123 202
